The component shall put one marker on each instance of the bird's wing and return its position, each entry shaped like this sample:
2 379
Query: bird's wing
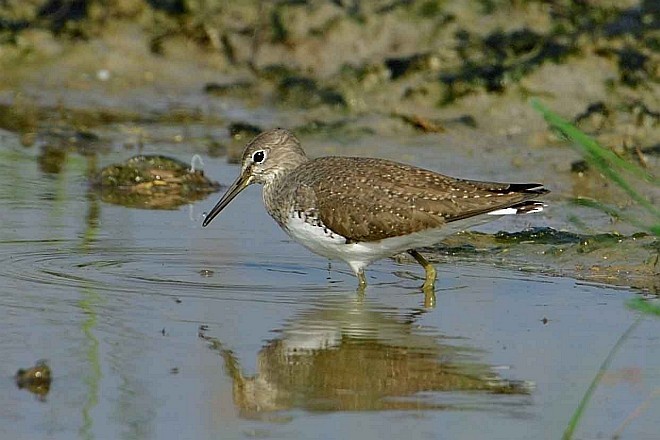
373 199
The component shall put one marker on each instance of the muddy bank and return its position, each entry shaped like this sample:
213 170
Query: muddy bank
422 57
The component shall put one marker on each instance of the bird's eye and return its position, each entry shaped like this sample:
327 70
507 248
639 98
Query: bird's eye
259 156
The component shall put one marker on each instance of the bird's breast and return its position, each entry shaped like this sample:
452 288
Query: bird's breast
306 226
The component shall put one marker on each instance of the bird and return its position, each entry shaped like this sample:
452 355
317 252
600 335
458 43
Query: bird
360 210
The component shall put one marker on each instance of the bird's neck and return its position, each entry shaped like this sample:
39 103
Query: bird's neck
277 190
286 165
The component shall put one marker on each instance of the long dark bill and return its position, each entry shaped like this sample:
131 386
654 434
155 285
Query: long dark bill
239 185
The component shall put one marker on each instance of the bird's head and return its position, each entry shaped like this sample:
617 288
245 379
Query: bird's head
267 157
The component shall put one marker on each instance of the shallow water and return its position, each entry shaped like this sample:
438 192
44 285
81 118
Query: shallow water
157 328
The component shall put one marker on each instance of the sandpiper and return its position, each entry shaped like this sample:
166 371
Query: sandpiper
360 210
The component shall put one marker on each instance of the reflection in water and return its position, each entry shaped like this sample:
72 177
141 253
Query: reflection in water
51 159
88 302
93 378
358 356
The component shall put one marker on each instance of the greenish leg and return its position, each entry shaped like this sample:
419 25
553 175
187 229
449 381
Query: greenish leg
362 280
429 284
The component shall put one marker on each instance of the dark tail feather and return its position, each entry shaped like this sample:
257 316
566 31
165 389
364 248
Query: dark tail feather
528 188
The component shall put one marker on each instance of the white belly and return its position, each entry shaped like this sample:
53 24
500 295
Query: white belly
324 242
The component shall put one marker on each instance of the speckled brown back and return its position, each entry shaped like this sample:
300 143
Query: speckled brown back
366 199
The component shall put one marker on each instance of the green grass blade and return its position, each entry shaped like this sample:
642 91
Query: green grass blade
617 214
577 415
601 158
588 146
650 307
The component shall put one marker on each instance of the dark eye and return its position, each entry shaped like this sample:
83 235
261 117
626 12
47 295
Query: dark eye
259 156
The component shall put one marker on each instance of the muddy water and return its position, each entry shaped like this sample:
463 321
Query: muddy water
156 328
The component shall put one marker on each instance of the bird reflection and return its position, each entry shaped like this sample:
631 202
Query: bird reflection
354 355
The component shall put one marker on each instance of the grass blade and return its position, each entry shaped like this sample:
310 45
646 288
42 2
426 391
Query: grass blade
606 162
577 415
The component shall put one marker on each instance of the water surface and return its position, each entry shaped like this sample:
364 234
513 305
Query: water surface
158 329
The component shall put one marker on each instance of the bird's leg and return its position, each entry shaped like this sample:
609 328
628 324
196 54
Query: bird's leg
429 284
429 299
362 280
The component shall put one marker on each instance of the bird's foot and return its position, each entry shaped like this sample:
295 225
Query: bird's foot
429 282
429 296
362 282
